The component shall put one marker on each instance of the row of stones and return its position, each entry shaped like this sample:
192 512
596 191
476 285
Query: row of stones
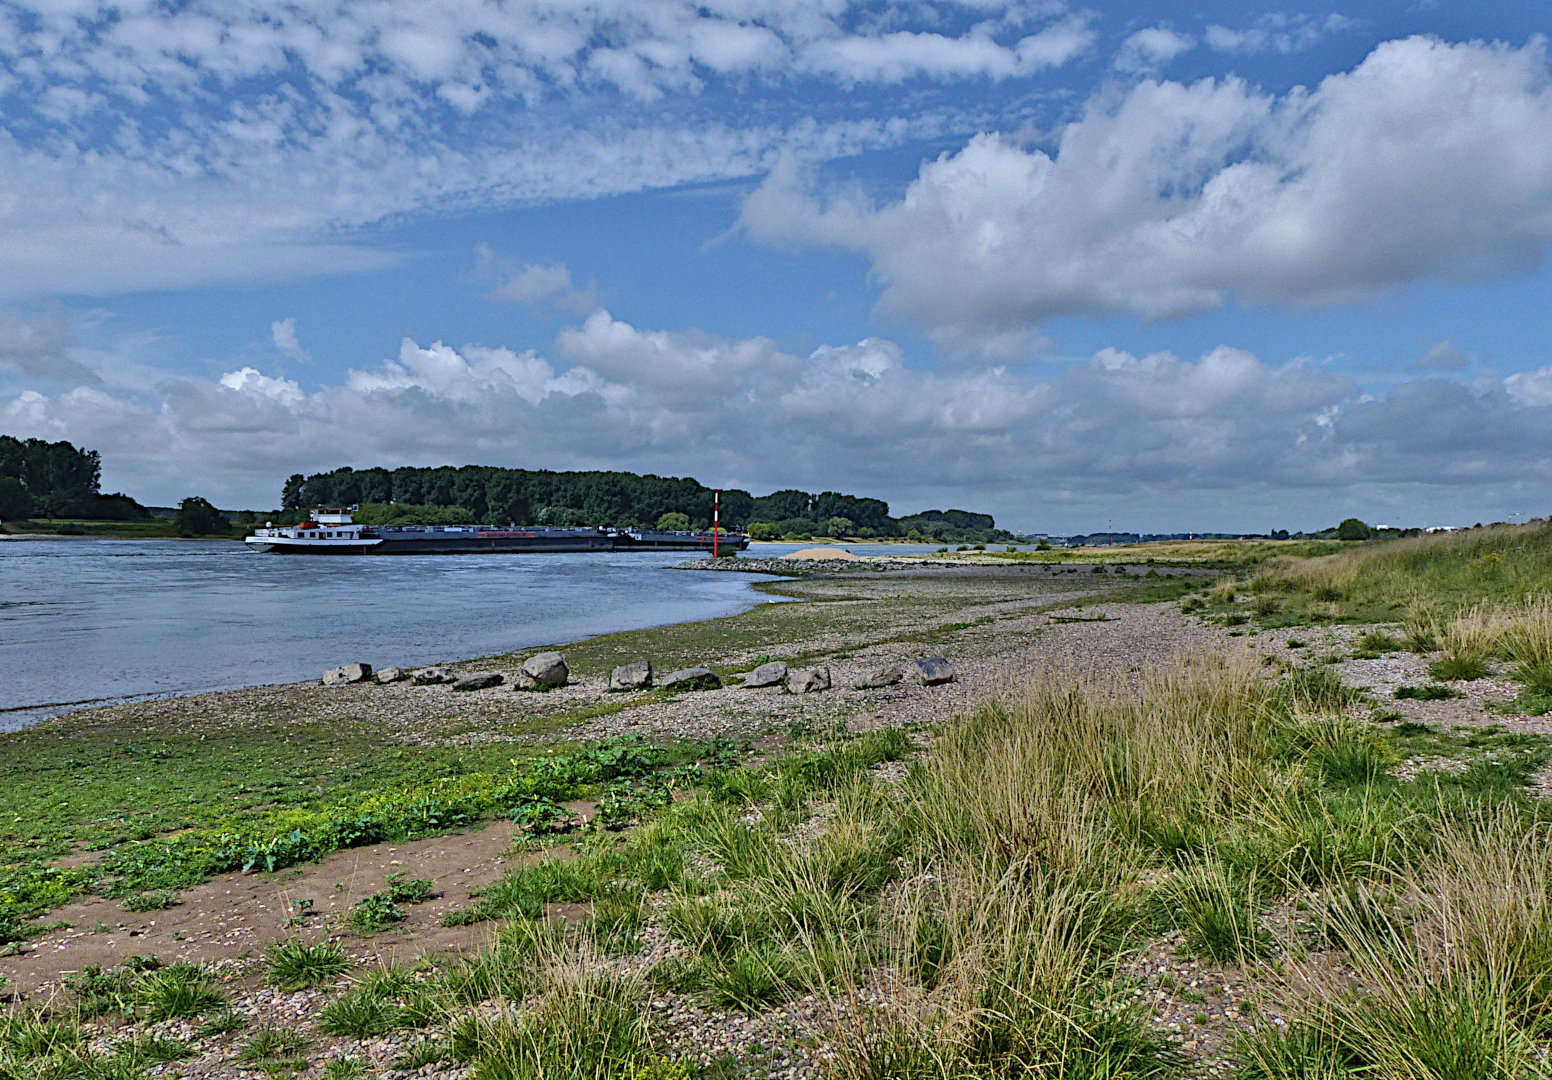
547 670
542 671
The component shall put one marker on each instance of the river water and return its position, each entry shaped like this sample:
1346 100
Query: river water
89 620
98 621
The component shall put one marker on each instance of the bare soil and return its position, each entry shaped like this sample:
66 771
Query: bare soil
238 915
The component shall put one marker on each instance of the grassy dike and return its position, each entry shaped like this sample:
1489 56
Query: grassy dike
1017 892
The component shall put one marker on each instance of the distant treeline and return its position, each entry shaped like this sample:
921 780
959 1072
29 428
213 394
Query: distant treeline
610 499
44 479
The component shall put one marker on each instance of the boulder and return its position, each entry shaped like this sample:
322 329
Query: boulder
773 674
546 669
350 673
636 676
879 678
428 676
932 670
695 678
392 674
809 682
482 681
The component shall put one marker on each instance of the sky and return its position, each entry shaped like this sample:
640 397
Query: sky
1219 267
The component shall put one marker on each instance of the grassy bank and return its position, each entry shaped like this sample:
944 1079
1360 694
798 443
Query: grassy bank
163 794
1221 554
1017 896
976 912
1439 575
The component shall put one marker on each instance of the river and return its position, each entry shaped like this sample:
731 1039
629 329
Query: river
109 620
99 621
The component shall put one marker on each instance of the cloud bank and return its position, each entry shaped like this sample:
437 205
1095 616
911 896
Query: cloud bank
1225 436
1427 161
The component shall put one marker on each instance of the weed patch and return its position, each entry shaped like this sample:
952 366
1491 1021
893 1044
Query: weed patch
1458 669
1428 692
291 965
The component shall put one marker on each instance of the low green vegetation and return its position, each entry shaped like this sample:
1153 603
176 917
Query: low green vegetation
1418 579
997 882
292 965
378 910
214 832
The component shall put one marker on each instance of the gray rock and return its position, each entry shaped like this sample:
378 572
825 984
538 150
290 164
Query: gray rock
809 682
637 676
880 678
767 675
350 673
547 669
932 670
392 674
695 678
482 681
429 676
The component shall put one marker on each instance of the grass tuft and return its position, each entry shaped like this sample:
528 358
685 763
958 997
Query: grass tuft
1219 915
292 966
178 991
1458 668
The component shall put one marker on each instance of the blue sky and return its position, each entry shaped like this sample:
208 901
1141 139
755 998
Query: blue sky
1234 267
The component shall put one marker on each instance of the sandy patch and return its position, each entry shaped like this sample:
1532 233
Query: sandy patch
826 553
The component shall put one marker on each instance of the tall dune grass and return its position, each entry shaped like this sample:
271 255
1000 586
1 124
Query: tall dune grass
1453 981
1440 575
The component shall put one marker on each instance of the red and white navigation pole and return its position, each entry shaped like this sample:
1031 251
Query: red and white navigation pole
716 516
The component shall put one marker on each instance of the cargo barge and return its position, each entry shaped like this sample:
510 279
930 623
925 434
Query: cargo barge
332 532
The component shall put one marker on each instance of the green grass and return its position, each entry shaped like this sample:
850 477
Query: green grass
155 900
589 1026
1442 574
180 991
277 838
225 1023
155 529
1430 692
291 965
1458 669
273 1048
1042 839
379 910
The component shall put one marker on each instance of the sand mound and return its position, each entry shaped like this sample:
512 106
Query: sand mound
822 553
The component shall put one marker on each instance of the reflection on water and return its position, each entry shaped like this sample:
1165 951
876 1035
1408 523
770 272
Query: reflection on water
83 620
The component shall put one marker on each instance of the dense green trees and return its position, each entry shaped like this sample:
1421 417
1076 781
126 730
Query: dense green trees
44 479
15 503
611 499
520 495
196 517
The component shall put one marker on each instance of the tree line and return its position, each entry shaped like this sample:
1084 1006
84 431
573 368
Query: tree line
449 495
57 480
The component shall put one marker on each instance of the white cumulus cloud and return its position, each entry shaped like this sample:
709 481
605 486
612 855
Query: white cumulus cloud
283 332
1275 32
545 284
1151 48
1223 438
1427 161
149 146
41 348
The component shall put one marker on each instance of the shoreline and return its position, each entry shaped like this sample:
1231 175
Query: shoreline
676 605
